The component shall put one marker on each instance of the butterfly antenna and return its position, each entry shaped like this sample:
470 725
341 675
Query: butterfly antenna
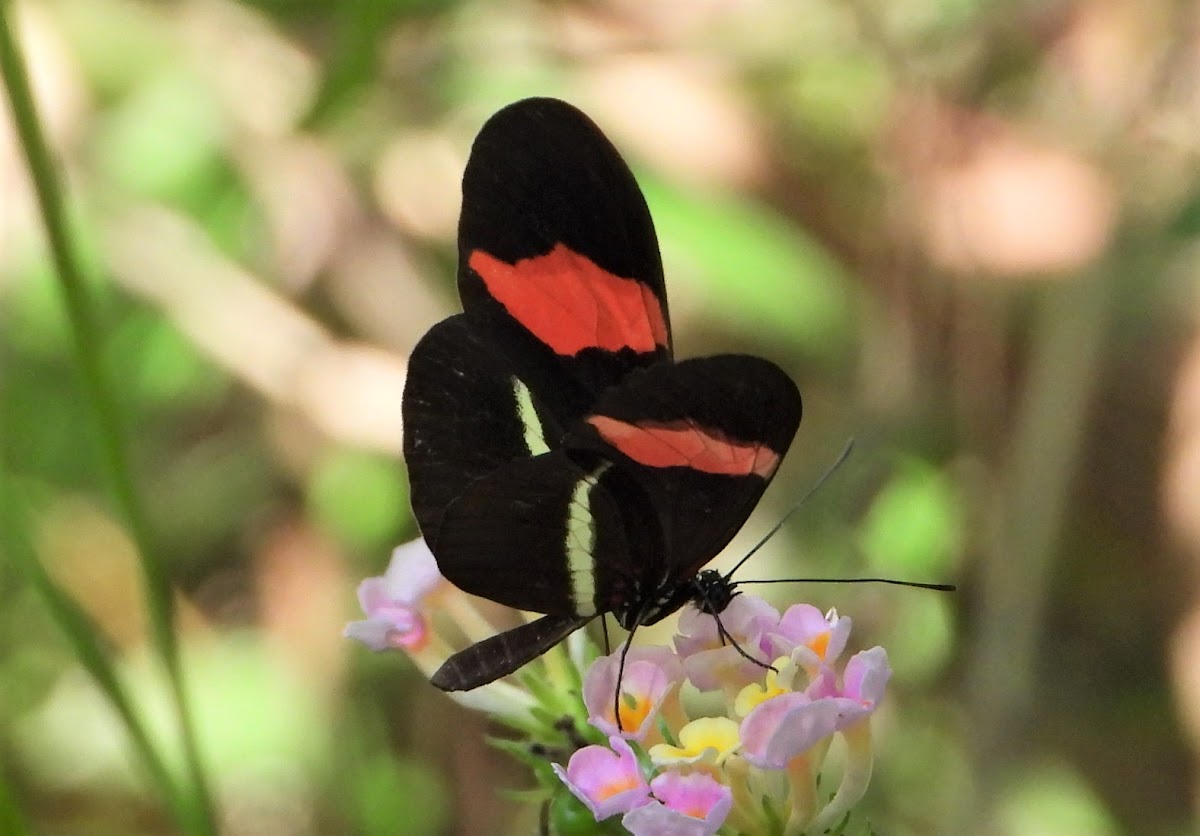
845 454
936 587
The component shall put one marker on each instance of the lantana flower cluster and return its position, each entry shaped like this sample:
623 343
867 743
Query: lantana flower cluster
726 730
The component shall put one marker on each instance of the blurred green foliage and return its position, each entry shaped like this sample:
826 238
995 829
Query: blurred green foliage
879 233
359 498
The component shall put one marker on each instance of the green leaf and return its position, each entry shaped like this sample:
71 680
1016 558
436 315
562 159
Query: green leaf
1055 801
119 44
399 797
841 99
915 526
569 817
754 270
517 749
160 366
359 497
11 819
923 638
164 138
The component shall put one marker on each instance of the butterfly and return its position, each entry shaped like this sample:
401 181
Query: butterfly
561 460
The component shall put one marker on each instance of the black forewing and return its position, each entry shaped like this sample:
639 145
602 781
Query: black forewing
740 398
460 419
542 174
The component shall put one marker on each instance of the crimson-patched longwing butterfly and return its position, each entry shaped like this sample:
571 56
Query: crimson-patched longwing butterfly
561 459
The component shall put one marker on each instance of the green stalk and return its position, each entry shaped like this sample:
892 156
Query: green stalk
88 353
82 634
1067 353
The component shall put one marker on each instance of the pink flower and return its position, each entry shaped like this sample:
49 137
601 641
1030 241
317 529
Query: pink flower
866 676
608 781
687 805
787 726
746 618
711 663
810 638
392 603
651 674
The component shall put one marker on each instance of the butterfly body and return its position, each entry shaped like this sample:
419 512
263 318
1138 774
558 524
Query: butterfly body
561 460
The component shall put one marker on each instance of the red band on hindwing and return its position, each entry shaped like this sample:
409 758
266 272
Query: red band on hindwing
681 444
569 303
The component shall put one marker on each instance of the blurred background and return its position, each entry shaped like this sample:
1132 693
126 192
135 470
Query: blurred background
970 230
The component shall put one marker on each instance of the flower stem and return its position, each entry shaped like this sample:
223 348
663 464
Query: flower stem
88 345
857 775
804 794
467 616
745 816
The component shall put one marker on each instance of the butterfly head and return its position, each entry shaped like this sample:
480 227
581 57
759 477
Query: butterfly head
709 590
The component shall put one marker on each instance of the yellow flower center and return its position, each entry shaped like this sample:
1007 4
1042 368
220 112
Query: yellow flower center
697 738
754 694
820 644
633 711
627 782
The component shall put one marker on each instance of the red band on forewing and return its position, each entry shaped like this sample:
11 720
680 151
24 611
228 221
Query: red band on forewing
686 445
569 303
